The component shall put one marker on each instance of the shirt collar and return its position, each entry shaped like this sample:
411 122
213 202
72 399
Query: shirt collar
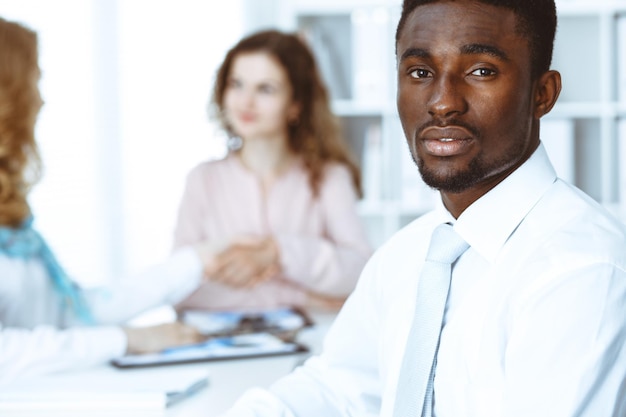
489 221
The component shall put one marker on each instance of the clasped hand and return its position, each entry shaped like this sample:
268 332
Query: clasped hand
246 262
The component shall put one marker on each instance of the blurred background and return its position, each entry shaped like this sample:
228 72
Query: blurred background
126 85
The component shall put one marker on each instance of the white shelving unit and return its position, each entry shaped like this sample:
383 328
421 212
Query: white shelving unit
585 133
590 53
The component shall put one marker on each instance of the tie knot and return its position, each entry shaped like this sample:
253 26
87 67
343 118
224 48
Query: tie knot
445 245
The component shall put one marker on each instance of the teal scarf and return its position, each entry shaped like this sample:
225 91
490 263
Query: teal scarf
26 243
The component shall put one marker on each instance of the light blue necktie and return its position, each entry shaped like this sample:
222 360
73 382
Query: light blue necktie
26 243
414 396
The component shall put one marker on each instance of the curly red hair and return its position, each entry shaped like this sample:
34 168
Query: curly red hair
20 103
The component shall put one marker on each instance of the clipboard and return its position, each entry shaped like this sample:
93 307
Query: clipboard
239 346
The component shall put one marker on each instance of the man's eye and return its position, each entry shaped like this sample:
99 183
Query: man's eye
420 73
483 72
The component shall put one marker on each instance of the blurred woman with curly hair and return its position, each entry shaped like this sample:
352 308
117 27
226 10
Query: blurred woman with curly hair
47 323
280 209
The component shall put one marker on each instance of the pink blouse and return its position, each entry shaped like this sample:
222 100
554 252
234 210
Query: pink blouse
322 242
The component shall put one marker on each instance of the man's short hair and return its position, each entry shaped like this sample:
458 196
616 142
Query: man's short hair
537 22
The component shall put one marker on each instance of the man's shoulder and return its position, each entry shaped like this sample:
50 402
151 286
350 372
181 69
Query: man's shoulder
577 209
569 219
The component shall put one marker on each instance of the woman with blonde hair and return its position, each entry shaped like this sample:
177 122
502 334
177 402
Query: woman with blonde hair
47 323
279 211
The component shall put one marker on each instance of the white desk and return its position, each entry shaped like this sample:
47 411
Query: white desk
227 379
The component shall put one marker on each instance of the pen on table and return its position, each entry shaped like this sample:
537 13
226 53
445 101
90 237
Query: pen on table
174 397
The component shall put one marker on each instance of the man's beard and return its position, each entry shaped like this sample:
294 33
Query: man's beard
455 182
477 171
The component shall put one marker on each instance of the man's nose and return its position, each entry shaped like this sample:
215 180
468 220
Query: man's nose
447 97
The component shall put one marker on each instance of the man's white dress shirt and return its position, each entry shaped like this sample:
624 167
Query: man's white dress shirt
535 324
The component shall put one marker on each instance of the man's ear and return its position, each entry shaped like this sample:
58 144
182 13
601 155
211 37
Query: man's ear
547 90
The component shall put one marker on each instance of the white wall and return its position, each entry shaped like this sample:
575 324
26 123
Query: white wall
126 86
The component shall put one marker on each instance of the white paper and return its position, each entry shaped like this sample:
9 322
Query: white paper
102 388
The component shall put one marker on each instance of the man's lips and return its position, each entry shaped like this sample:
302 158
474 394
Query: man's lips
446 141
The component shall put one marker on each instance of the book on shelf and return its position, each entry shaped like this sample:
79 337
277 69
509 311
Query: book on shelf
621 158
621 56
372 163
329 39
370 53
414 193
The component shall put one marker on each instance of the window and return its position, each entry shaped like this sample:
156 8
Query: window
126 86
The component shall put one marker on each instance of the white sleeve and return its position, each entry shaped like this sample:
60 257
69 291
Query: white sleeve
166 283
46 349
343 380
